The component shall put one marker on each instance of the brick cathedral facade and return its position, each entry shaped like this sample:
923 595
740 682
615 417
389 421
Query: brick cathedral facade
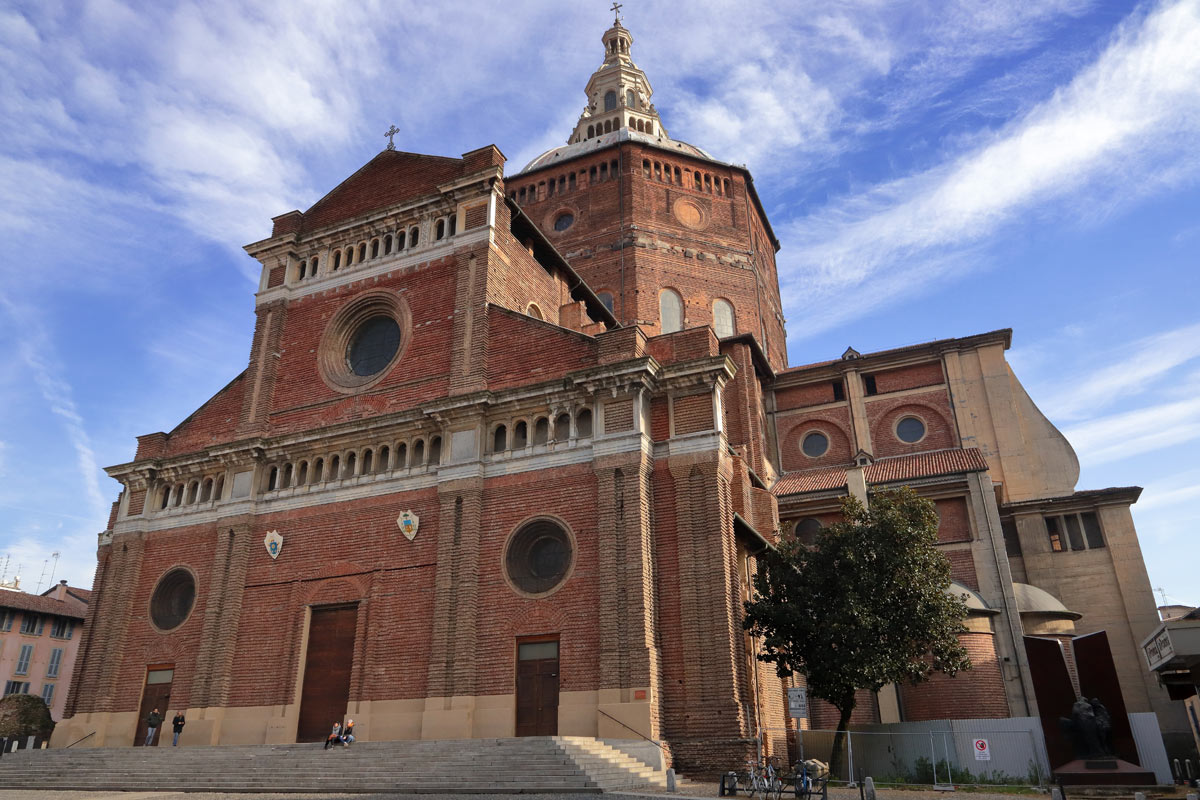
504 452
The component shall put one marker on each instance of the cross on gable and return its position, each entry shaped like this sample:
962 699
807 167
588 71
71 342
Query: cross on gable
392 131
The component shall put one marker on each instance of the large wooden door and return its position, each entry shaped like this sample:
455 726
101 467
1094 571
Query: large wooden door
330 655
157 694
537 687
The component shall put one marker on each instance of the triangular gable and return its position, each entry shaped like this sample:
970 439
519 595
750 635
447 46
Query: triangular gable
389 178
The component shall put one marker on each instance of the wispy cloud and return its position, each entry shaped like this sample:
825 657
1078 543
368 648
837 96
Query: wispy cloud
1130 371
1122 128
1131 433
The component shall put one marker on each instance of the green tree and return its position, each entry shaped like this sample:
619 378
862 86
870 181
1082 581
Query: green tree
866 605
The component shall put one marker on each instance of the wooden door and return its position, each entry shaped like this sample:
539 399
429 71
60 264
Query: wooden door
537 687
157 694
326 690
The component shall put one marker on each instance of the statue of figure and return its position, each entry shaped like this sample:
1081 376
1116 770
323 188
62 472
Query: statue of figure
641 96
1083 730
1103 726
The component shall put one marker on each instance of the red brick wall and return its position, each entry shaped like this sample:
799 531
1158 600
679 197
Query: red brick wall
693 413
954 524
533 351
833 422
618 416
962 568
824 717
977 693
811 394
933 408
911 377
214 422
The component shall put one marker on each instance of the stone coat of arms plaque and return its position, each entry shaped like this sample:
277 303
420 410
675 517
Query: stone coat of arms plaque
408 522
274 543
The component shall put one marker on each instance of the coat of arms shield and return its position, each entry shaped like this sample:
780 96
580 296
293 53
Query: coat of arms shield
408 522
274 543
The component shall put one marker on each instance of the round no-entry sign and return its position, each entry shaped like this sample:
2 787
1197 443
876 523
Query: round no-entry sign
982 752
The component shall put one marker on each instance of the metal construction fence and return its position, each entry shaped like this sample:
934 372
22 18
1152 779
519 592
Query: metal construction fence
1007 752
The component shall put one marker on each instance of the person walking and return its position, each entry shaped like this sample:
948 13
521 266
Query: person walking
177 725
334 736
152 723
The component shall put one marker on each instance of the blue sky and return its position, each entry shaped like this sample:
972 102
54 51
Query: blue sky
932 170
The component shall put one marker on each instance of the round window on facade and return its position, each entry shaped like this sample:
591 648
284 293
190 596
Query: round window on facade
910 430
364 340
539 556
372 346
173 599
815 444
564 221
807 530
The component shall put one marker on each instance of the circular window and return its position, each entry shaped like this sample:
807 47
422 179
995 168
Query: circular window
807 530
564 221
173 599
373 345
539 556
815 444
910 429
365 338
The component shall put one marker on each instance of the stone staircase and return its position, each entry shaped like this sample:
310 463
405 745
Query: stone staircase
547 765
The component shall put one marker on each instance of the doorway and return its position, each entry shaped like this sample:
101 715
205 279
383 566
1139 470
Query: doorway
330 656
157 694
537 686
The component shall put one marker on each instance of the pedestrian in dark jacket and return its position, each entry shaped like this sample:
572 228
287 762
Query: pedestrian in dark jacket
177 724
335 735
152 723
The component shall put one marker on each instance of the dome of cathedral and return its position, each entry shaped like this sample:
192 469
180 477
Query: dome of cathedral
568 151
1032 600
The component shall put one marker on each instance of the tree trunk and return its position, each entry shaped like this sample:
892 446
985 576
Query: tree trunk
846 708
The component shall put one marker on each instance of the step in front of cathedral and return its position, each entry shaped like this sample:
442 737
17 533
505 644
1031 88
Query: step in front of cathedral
549 765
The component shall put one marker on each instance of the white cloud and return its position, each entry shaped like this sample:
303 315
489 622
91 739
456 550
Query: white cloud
1121 128
1130 433
1129 372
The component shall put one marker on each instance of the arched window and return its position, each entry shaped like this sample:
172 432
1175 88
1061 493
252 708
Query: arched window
571 182
453 225
303 269
302 474
520 435
287 476
384 454
650 128
723 323
541 431
374 248
349 255
645 168
401 455
583 423
219 488
439 231
418 453
562 427
312 267
670 311
699 182
678 176
318 466
337 260
362 252
608 126
387 244
206 490
367 461
610 100
500 439
193 491
335 464
166 497
607 299
435 450
534 311
178 494
591 131
604 172
413 236
629 98
272 480
348 470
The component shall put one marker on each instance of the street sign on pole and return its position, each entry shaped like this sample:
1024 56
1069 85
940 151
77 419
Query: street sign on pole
798 703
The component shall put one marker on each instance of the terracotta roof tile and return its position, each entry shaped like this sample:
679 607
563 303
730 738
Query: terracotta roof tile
926 465
814 480
886 470
40 604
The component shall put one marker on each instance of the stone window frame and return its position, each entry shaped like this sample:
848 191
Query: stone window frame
804 437
331 352
574 556
195 598
918 418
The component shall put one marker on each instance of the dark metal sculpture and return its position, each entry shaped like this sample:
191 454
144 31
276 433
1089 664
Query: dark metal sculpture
1089 728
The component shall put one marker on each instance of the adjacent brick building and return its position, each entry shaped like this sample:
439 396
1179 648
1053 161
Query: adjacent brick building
505 449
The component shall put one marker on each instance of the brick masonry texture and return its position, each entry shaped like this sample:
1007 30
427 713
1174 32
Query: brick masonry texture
652 601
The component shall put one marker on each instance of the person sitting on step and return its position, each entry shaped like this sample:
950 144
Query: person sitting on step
335 735
348 733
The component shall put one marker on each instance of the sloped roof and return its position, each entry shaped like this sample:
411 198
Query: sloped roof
72 606
886 470
391 177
